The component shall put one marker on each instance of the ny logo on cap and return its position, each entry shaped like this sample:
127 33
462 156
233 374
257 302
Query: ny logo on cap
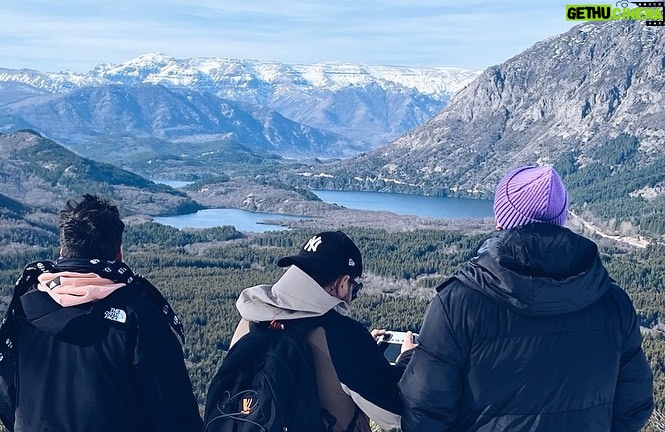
312 244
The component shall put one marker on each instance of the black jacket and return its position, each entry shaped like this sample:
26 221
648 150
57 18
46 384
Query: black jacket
110 365
531 335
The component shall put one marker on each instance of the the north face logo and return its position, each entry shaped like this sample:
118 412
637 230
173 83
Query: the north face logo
312 244
114 314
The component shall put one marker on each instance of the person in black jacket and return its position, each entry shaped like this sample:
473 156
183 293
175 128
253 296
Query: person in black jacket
88 345
355 381
532 334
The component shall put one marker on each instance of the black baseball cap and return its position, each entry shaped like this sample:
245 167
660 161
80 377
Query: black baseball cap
329 251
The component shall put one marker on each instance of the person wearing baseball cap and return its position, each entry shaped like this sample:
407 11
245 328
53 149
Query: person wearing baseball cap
355 381
330 257
531 334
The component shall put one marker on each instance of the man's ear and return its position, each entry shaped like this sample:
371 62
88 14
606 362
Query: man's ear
340 286
342 280
499 228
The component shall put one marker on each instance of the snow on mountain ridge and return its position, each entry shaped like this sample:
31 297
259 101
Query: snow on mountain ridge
208 73
50 81
437 81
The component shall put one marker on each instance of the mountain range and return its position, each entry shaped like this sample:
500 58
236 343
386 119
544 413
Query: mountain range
590 101
324 110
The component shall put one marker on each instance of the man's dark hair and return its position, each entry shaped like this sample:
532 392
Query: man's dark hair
324 279
91 228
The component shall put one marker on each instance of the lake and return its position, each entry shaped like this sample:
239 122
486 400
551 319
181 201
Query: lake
434 207
425 206
173 183
242 220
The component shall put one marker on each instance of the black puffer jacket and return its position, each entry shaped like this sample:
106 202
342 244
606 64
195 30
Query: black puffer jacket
532 335
113 364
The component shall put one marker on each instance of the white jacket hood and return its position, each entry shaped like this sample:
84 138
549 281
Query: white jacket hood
294 295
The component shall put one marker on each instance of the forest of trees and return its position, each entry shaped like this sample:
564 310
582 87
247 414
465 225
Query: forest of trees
604 185
202 272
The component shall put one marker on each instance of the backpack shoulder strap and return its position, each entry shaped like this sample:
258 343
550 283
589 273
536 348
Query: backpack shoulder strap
298 325
304 325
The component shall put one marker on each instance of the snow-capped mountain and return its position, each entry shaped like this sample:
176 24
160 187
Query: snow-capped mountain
203 73
358 107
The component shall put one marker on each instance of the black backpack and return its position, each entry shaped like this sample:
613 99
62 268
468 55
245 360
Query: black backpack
267 382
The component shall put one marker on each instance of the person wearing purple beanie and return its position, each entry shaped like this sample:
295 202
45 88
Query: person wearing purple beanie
532 334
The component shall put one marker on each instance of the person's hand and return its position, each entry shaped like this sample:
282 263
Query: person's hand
377 333
408 342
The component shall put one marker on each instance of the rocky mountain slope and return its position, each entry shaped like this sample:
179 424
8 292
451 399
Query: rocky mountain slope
340 109
566 94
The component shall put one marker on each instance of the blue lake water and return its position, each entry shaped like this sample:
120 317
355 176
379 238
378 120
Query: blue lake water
173 183
435 207
242 220
425 206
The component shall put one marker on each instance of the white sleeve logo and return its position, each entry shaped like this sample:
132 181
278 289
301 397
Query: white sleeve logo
114 314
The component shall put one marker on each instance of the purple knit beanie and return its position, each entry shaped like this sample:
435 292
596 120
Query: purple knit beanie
530 194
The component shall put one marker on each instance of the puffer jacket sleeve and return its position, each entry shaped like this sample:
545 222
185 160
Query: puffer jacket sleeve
434 378
163 380
633 398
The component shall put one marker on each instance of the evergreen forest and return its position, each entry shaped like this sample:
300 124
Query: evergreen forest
202 272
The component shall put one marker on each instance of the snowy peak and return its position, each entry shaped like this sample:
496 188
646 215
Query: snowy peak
60 82
158 68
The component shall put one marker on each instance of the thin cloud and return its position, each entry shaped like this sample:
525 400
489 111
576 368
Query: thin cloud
78 34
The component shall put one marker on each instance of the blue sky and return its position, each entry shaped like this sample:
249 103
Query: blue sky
77 35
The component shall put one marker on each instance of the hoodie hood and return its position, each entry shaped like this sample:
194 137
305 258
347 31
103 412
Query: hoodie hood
91 290
72 288
295 295
44 313
538 269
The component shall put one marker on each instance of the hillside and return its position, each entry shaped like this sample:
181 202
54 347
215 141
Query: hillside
37 177
86 117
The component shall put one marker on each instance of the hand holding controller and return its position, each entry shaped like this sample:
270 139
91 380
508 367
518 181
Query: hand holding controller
396 337
393 343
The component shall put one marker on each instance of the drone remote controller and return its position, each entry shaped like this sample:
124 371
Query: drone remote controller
390 343
395 337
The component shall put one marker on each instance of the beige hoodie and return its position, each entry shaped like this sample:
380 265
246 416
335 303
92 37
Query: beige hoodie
294 295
